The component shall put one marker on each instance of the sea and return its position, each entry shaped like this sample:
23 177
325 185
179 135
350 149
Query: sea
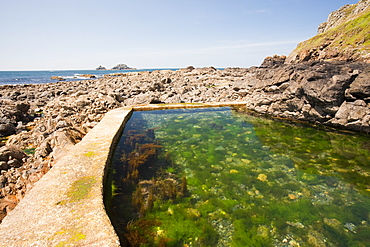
41 77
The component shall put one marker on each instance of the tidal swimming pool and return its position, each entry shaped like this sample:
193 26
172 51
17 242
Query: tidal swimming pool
221 177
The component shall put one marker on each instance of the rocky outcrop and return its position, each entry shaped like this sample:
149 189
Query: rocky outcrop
11 157
273 62
343 14
319 92
100 68
13 115
57 78
343 37
121 66
90 76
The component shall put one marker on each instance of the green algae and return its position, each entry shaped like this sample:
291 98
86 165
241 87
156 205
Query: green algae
250 181
72 237
90 154
79 190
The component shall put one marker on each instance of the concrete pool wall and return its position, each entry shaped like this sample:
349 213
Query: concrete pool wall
65 207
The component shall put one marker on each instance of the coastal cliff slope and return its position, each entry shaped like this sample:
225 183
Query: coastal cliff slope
344 36
326 79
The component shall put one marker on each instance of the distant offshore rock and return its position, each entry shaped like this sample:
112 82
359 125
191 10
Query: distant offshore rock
100 68
57 78
90 76
120 66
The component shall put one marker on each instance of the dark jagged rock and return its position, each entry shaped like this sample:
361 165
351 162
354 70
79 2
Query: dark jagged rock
188 69
8 153
7 129
273 62
360 88
13 115
313 92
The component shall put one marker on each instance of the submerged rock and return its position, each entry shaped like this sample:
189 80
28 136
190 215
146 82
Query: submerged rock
333 223
350 226
262 177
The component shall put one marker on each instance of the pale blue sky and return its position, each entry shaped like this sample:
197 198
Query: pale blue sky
83 34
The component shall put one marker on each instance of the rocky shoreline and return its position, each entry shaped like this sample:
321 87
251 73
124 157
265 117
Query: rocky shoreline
40 123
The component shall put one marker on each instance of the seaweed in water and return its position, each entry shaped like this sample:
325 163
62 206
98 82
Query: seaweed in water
138 232
252 182
143 181
141 161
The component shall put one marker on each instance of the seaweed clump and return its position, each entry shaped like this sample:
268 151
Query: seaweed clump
141 180
140 152
139 230
163 188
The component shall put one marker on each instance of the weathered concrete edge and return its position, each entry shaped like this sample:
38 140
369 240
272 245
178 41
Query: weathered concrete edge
65 208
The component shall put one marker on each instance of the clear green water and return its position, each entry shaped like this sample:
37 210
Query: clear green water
219 177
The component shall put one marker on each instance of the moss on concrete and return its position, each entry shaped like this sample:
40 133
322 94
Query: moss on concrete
80 189
73 236
90 154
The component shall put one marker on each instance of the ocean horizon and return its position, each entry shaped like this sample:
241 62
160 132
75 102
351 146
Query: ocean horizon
44 76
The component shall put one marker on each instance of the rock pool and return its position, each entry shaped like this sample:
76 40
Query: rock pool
221 177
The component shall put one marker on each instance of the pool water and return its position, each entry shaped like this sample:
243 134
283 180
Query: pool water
221 177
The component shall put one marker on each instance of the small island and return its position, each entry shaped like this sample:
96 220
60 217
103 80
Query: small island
100 68
120 66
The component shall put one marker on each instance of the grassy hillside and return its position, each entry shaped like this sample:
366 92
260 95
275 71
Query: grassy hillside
348 41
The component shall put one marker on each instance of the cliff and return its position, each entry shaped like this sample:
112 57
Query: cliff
325 79
344 36
342 15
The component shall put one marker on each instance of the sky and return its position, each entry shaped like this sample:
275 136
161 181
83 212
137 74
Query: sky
83 34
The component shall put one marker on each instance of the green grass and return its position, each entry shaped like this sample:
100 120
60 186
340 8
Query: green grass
354 35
